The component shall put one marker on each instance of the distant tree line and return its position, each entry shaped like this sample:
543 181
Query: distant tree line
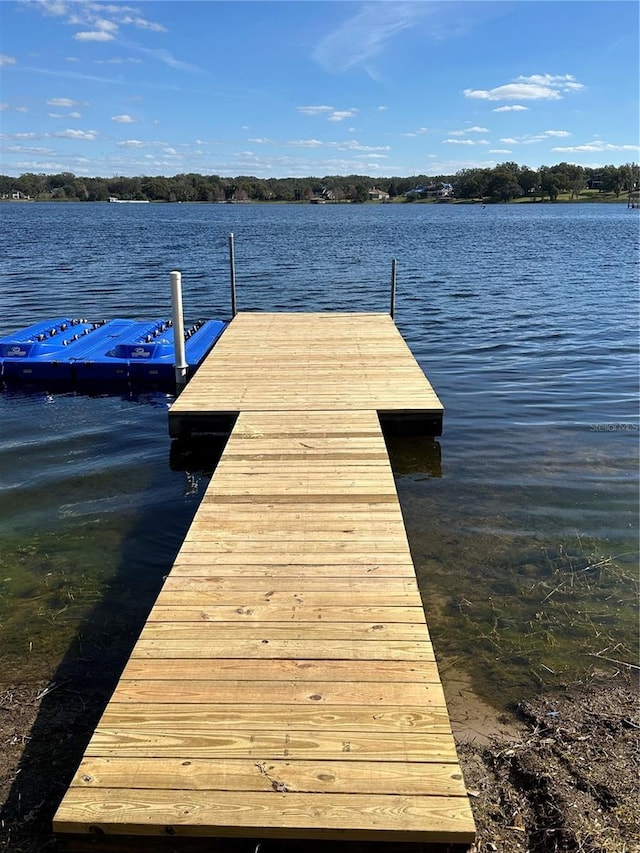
509 181
502 183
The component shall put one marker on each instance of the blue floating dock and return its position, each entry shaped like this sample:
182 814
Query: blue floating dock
81 353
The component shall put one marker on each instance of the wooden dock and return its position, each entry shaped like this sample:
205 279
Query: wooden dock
309 362
284 685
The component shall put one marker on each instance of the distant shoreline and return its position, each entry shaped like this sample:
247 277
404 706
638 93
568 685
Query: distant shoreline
506 182
605 198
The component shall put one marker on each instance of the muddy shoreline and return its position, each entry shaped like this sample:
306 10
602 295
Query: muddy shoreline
558 773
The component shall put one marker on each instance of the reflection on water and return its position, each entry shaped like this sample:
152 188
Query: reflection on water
522 517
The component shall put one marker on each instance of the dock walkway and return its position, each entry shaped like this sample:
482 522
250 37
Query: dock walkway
284 685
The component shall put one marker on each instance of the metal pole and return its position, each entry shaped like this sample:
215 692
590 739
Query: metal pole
232 272
178 331
392 309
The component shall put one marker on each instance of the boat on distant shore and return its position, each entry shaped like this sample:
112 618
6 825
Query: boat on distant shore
128 200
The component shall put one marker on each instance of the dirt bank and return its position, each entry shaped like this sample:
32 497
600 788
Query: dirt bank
567 780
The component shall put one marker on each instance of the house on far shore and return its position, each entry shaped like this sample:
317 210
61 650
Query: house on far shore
438 190
378 195
16 195
325 195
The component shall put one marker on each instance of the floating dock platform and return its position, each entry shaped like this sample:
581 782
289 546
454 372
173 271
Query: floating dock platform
75 353
284 685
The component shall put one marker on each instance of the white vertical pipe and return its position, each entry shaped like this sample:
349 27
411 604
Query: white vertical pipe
178 330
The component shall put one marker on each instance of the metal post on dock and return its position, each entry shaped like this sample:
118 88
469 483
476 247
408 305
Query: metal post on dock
178 331
392 309
232 272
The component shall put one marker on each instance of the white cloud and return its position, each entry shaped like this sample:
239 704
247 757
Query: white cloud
500 151
331 113
468 130
306 143
143 24
353 145
417 132
382 108
131 143
513 108
168 59
55 8
99 17
25 149
105 26
22 109
118 61
123 119
316 111
597 146
537 87
94 35
7 60
366 34
89 135
346 145
63 102
73 114
261 140
466 141
531 138
341 115
515 91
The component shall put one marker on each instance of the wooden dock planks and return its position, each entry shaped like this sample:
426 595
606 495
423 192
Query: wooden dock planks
284 685
308 362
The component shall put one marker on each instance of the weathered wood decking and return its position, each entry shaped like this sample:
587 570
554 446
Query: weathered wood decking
284 685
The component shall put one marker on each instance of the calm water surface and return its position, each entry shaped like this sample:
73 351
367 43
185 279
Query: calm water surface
522 518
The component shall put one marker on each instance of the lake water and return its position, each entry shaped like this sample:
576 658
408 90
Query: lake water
522 518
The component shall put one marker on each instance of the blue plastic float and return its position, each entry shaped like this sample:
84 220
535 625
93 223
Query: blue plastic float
80 353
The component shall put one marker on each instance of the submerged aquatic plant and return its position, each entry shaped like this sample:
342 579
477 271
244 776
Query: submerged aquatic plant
534 618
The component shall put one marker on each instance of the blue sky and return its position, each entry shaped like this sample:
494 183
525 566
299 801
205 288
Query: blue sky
277 89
